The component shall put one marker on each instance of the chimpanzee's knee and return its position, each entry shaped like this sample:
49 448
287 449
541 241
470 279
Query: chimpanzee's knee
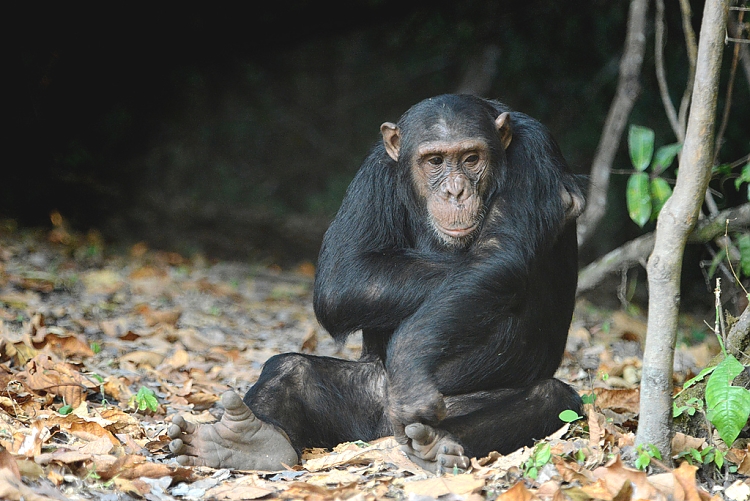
320 401
282 379
557 396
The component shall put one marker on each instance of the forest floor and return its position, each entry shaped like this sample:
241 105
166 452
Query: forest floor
99 349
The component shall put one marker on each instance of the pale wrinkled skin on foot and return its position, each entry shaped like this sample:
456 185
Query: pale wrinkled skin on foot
432 449
238 441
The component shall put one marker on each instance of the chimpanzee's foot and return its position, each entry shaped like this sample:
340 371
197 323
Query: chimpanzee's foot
433 450
239 440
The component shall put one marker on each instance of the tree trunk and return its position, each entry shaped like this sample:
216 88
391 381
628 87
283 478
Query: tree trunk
675 222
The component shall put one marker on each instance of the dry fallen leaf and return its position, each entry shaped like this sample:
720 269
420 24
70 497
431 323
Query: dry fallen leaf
118 421
238 490
598 490
615 474
102 281
334 477
461 485
155 317
7 462
685 476
30 444
178 359
597 423
118 328
58 378
134 466
618 400
683 443
741 458
380 450
68 345
85 428
518 492
571 471
738 491
12 489
135 487
142 358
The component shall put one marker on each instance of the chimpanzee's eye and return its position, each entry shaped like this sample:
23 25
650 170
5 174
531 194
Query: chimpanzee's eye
472 159
436 160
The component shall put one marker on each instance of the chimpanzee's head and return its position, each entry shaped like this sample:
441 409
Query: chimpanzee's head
453 147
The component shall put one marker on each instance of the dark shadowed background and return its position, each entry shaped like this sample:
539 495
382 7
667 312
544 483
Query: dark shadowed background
235 131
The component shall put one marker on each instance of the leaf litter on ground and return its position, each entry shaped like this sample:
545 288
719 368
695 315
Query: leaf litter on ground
82 333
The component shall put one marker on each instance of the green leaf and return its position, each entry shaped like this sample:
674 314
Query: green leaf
664 157
643 460
638 197
66 409
696 402
696 379
588 398
641 146
676 411
743 243
744 176
721 170
146 398
719 458
568 416
728 406
660 193
543 454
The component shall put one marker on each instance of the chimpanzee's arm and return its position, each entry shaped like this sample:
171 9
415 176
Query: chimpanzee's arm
369 275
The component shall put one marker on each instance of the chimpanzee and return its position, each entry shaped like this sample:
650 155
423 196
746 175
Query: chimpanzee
454 252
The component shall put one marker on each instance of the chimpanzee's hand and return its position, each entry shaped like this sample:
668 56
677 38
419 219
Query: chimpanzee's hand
420 403
433 449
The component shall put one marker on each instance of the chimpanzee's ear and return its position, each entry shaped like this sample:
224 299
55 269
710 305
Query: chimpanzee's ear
391 139
504 129
574 204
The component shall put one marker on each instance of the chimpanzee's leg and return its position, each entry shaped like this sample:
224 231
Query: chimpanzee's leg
500 420
504 420
321 401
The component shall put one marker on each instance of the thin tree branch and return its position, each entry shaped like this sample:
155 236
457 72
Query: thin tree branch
692 52
738 334
628 89
730 89
637 250
744 49
661 74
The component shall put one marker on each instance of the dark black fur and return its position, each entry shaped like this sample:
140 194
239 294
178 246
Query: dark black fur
484 326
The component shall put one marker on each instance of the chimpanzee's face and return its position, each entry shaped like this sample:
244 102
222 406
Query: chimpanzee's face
450 176
451 172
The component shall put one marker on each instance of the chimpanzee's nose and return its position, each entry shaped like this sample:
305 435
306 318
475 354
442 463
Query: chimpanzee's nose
456 187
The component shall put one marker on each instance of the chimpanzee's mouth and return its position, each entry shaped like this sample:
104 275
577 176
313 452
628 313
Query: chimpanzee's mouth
459 232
